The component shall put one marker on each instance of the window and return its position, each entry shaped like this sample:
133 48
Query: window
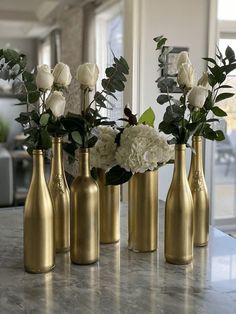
109 29
224 153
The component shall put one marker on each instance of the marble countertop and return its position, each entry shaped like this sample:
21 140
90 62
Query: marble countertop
122 282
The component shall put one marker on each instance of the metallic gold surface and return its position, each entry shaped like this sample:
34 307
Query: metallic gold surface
198 188
39 242
109 196
143 208
84 214
179 214
60 195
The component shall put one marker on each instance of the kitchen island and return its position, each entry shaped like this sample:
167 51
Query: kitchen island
122 281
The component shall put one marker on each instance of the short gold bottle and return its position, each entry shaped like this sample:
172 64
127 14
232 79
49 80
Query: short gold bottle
143 212
109 196
39 242
198 188
179 214
60 197
84 247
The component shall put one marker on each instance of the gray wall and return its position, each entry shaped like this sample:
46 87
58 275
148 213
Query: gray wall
185 24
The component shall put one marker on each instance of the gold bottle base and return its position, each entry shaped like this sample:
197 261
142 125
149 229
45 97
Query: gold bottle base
110 242
84 263
138 251
200 244
63 250
173 260
39 271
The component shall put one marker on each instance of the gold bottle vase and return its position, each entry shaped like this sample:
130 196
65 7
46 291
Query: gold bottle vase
198 188
143 209
179 214
109 196
60 197
85 240
39 242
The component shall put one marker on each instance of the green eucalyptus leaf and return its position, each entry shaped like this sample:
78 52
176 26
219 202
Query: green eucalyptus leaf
121 65
161 43
117 176
229 53
148 117
224 96
110 71
77 137
92 141
210 60
45 139
118 85
33 96
162 99
219 135
44 119
218 112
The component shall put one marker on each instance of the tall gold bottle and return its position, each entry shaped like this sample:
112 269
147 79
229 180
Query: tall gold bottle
179 214
109 196
39 242
143 208
198 188
84 214
60 197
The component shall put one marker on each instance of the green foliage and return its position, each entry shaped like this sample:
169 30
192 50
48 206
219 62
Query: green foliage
80 126
148 117
180 119
117 176
114 82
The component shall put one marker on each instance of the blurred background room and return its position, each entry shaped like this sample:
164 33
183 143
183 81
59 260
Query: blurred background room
77 31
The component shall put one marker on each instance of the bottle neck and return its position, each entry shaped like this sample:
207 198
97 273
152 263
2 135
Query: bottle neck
84 162
38 164
57 156
197 155
180 160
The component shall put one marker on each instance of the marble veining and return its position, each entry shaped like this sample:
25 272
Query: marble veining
122 281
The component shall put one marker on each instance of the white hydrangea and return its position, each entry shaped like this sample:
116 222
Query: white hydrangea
103 153
143 148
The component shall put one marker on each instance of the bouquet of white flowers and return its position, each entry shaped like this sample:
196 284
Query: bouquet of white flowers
103 152
140 148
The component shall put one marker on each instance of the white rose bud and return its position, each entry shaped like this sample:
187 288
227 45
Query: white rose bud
56 102
197 96
87 74
44 77
203 81
185 77
182 58
62 75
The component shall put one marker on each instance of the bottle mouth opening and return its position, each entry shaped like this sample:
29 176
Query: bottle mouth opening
180 147
57 139
37 152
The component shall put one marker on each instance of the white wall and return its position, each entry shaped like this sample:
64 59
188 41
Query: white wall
184 23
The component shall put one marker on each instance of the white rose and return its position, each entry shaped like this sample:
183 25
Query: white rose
56 102
185 77
197 96
203 81
87 74
44 77
62 75
182 58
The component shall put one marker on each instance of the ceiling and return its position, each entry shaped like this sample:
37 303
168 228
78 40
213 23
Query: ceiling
27 18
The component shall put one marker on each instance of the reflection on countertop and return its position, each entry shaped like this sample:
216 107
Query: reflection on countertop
122 282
